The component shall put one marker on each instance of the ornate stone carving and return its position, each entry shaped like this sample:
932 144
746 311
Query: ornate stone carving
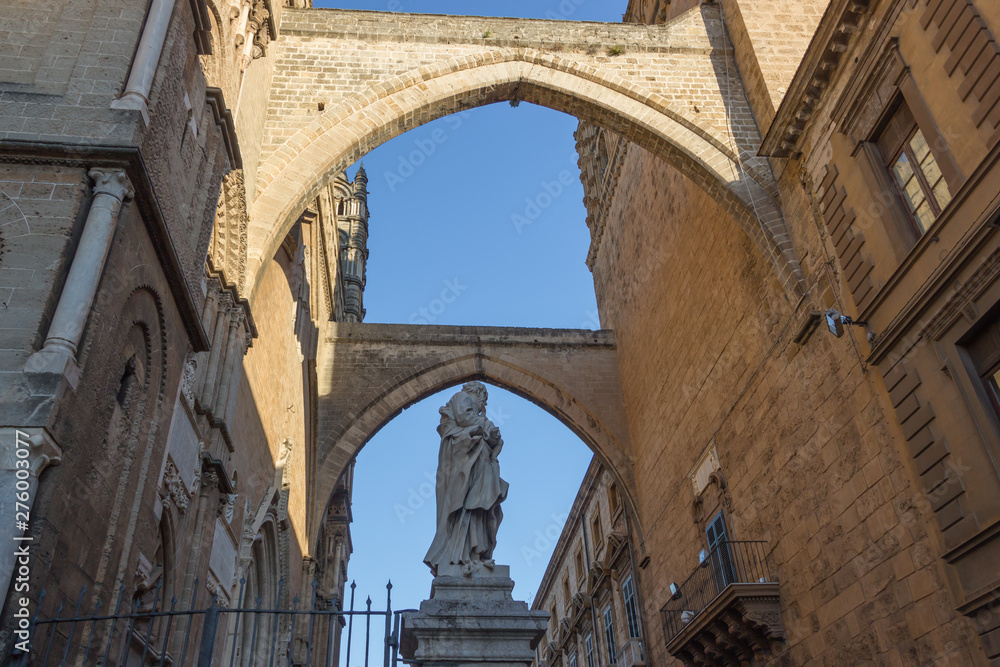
113 182
229 241
190 378
173 490
740 626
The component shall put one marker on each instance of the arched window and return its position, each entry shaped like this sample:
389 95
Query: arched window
259 592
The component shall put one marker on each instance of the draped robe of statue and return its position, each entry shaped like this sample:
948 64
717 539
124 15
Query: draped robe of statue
469 487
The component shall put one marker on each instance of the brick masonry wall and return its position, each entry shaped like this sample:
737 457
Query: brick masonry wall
94 513
40 215
674 69
770 38
274 373
802 433
371 372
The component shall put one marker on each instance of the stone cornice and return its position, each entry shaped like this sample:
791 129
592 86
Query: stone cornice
130 159
815 74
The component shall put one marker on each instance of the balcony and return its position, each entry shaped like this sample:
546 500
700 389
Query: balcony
631 655
728 611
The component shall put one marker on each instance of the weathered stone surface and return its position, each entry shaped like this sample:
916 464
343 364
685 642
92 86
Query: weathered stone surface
472 621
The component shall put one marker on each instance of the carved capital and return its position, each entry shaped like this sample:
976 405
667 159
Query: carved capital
173 490
112 182
31 449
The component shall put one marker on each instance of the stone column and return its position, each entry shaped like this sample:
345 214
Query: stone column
188 595
218 345
24 454
147 57
234 355
111 188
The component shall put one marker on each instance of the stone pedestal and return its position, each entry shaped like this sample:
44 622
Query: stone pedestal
472 621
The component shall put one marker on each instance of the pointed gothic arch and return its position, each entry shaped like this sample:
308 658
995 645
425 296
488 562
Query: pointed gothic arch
293 174
584 419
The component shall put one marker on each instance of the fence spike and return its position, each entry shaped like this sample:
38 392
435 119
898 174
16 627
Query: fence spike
93 627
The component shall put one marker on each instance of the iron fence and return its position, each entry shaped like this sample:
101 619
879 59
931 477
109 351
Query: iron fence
729 563
149 632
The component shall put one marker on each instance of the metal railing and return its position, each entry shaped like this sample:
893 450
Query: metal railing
729 563
157 634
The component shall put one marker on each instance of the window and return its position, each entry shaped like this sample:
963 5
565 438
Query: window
567 598
572 660
598 534
580 572
614 499
914 168
609 634
718 547
984 352
631 612
588 644
554 621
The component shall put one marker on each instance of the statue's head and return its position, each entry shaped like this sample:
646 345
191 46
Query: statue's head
477 389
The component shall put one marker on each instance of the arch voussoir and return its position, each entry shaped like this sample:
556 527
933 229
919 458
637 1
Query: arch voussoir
294 172
369 413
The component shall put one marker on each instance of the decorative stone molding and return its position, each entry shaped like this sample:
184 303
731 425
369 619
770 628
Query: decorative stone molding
601 155
812 81
847 238
974 54
173 489
962 302
741 626
223 118
189 379
42 450
254 31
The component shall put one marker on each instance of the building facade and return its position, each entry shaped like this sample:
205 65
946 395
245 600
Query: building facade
186 376
591 585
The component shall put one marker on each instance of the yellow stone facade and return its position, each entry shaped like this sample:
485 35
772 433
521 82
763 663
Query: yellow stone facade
181 271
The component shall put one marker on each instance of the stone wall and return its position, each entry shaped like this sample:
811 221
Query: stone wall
801 431
40 209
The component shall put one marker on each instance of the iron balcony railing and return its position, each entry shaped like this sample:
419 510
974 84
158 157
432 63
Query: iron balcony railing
728 564
161 634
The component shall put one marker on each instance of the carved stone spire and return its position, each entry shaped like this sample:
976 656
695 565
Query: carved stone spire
354 249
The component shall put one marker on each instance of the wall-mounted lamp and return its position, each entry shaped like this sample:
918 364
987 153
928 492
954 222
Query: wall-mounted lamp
836 322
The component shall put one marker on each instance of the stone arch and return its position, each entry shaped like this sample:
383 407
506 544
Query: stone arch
339 448
296 171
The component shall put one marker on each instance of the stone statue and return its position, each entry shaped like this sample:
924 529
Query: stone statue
469 488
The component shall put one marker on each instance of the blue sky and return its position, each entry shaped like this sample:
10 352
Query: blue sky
574 10
476 219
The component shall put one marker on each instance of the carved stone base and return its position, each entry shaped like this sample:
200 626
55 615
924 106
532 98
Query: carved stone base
472 621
